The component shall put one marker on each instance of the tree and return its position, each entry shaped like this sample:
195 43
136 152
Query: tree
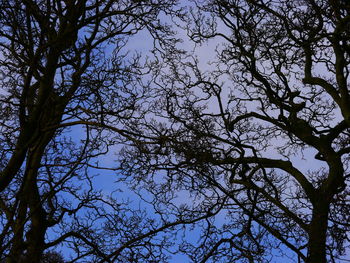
229 141
47 257
66 83
52 257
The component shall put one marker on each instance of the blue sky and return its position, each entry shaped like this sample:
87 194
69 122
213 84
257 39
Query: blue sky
105 181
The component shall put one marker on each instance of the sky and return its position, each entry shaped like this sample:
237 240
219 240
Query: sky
206 53
142 43
105 181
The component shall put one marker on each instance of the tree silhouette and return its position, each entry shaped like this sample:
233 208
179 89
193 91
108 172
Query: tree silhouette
52 257
231 141
241 160
66 83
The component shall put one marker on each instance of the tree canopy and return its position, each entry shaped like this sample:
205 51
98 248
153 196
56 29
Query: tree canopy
243 158
65 78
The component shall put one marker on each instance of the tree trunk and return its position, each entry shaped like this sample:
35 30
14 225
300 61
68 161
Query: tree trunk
318 233
35 236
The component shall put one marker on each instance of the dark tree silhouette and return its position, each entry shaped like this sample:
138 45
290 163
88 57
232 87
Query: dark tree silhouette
47 257
66 83
230 142
250 154
52 257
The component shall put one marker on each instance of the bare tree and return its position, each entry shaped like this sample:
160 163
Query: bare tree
66 84
52 257
231 141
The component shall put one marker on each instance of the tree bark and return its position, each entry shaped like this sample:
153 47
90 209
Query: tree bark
318 233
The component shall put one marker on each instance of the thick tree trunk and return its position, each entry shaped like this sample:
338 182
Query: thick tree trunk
35 236
318 233
18 230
